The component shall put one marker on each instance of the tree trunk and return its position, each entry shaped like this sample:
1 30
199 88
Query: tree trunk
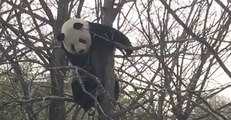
107 66
57 107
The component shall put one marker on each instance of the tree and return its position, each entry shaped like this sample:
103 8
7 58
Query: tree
220 104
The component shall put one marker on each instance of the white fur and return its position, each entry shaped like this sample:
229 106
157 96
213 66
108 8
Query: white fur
72 36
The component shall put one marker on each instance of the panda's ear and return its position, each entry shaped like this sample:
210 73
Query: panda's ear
77 26
60 37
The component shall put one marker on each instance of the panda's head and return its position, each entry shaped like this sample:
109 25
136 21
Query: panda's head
75 36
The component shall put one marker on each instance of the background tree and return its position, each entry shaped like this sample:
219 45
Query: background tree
219 103
180 63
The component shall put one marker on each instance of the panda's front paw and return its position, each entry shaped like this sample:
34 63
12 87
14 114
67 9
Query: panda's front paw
128 51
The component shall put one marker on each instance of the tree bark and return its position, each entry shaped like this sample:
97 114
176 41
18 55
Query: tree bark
57 107
109 14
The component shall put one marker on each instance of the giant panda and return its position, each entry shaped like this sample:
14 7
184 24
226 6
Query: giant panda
80 39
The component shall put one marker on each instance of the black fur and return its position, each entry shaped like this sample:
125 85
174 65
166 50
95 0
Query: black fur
85 100
98 33
60 37
77 26
90 84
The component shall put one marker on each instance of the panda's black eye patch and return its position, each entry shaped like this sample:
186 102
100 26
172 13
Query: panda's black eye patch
72 47
77 26
82 41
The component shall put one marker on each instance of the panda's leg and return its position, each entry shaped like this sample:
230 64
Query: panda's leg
117 90
119 37
81 97
112 34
